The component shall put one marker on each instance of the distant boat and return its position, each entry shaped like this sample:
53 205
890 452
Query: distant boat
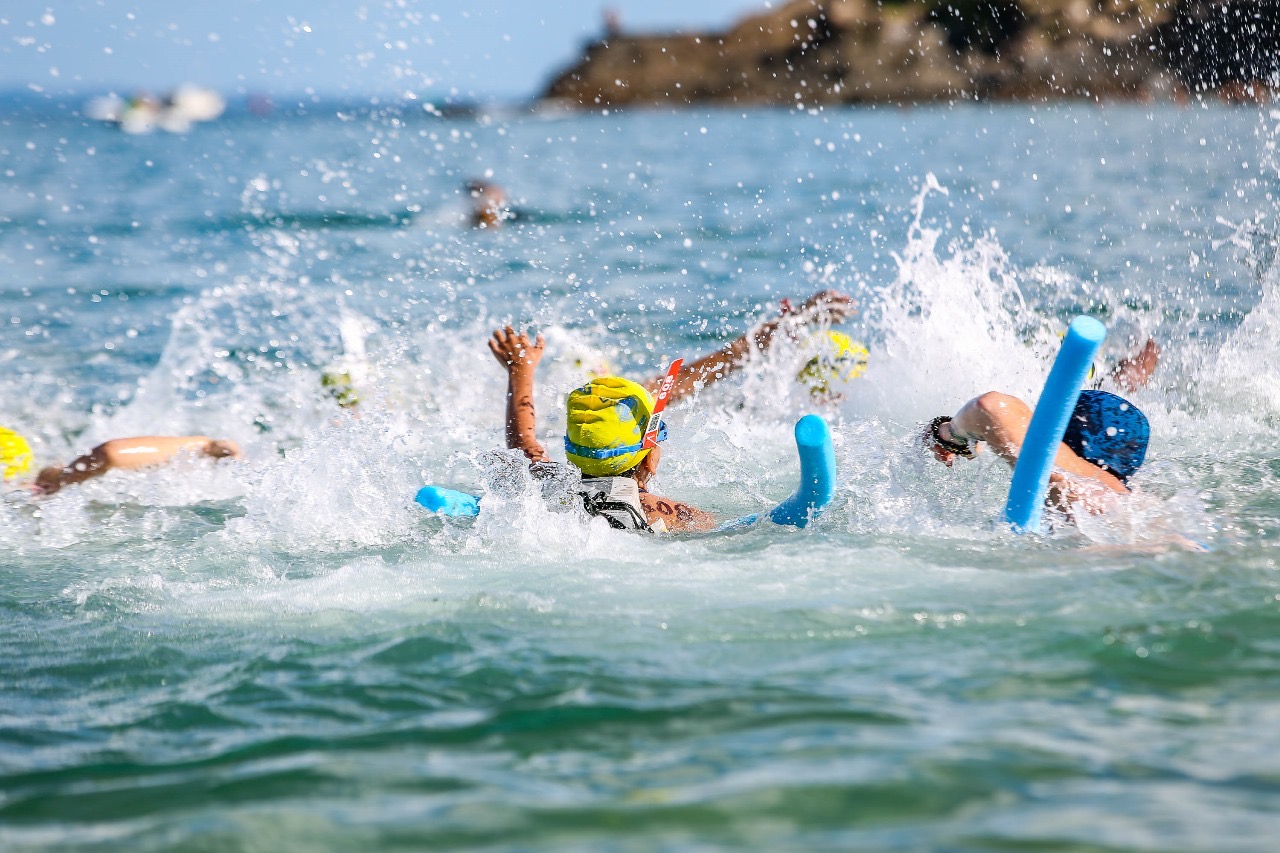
176 112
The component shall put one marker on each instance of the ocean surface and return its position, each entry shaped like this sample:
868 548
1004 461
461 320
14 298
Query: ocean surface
286 652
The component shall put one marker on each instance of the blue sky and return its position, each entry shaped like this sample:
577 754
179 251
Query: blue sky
497 49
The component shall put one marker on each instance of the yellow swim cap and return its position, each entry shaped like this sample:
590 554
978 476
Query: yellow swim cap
15 454
839 359
607 417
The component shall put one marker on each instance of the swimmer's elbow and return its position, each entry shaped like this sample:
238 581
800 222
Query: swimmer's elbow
109 454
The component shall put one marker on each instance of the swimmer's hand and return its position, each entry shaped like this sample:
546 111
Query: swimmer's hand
1133 372
221 448
48 481
824 308
514 351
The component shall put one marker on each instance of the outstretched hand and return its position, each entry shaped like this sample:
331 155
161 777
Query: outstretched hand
519 356
222 448
826 308
514 350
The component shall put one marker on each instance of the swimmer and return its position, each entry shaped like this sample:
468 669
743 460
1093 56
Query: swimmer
489 207
606 424
1105 443
127 454
824 308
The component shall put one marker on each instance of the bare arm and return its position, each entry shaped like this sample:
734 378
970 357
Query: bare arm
676 516
826 307
129 454
519 357
1001 421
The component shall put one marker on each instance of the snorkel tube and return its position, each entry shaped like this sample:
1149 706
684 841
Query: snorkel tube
1025 506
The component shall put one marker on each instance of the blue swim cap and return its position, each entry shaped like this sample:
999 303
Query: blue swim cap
1110 432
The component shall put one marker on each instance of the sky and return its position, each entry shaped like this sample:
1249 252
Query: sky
481 49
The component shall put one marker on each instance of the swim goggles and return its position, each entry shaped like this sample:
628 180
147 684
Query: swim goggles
610 452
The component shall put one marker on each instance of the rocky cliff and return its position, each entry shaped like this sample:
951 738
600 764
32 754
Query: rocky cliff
809 52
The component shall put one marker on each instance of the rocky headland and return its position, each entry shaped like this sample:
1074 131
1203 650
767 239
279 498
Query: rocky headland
811 52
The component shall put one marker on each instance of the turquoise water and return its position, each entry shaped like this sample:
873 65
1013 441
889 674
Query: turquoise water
286 653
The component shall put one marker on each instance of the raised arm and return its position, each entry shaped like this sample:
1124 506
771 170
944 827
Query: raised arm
1134 371
519 357
825 307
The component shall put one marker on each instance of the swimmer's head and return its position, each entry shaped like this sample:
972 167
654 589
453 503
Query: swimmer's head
485 189
606 423
488 204
1108 431
15 455
838 359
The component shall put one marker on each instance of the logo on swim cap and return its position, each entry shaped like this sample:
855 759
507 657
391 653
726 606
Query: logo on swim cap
606 421
15 454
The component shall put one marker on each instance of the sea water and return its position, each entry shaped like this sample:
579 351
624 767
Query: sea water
287 652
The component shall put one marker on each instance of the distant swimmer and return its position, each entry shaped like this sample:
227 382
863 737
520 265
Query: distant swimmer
126 454
489 207
1104 446
825 308
605 439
